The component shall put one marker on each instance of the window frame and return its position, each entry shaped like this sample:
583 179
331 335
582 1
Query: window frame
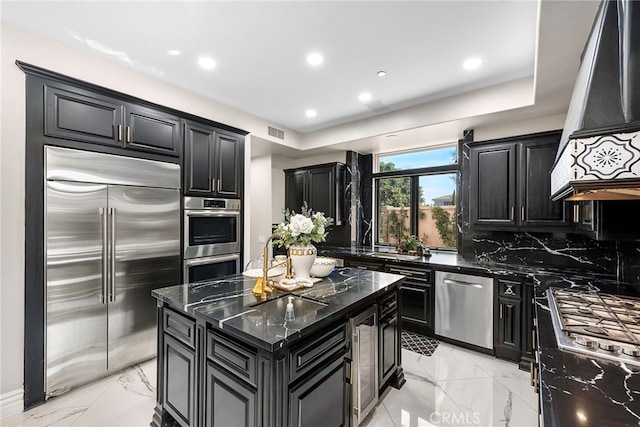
414 176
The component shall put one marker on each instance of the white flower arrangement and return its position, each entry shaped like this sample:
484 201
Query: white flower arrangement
302 228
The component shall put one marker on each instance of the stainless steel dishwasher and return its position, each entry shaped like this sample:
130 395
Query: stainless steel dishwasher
464 308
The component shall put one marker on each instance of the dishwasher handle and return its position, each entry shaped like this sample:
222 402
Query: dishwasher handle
461 283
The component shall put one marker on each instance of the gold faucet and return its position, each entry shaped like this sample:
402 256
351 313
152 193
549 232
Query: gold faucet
263 286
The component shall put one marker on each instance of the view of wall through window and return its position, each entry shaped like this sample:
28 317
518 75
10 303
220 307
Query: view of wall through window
416 199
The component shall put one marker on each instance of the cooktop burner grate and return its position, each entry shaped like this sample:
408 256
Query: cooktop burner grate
600 325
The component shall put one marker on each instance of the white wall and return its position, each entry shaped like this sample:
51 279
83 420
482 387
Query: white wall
260 194
277 193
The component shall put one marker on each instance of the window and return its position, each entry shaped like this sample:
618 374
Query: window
416 195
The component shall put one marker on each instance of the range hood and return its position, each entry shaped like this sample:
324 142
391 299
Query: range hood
599 153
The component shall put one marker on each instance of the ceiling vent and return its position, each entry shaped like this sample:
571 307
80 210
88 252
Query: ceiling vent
377 106
276 133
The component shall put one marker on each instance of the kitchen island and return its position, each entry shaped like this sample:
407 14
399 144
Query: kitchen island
226 357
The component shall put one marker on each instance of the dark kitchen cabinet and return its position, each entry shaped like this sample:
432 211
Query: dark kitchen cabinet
513 324
607 219
510 185
321 186
509 334
493 184
324 399
179 386
151 130
418 298
388 339
77 114
213 163
528 342
229 401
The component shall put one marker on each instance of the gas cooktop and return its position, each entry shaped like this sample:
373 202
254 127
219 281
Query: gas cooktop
596 324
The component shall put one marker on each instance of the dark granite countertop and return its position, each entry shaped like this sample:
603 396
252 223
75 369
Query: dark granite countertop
445 259
575 390
229 304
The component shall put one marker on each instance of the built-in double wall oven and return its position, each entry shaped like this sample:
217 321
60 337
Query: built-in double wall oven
211 238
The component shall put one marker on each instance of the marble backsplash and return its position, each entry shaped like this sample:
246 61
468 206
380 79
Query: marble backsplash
620 260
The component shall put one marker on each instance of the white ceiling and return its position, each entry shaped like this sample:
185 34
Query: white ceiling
260 48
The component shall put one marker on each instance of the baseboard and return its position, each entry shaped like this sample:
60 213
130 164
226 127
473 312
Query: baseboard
11 403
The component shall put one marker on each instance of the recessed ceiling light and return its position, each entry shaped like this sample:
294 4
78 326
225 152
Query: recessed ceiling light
381 73
311 113
472 63
315 59
364 96
207 63
174 52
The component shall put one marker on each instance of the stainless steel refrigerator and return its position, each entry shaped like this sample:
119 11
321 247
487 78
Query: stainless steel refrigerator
112 234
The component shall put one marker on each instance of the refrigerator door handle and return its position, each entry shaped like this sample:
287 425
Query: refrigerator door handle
112 249
105 256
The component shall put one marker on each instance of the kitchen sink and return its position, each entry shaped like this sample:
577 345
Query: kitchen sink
305 311
391 255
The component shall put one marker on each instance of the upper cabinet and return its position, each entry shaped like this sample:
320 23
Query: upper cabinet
321 186
510 184
80 115
213 163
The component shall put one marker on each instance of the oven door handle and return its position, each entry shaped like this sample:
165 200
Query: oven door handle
205 214
208 260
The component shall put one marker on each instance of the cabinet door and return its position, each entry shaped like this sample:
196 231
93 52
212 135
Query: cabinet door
79 115
199 143
509 328
179 371
322 190
151 130
536 207
295 189
417 307
528 333
228 165
229 401
389 343
323 400
492 198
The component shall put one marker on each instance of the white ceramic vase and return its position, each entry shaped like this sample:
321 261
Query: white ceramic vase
302 258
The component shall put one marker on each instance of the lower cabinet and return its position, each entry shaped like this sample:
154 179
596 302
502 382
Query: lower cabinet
229 401
418 299
210 377
179 389
389 341
323 399
513 322
509 330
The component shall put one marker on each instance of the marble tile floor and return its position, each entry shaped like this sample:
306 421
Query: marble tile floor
453 387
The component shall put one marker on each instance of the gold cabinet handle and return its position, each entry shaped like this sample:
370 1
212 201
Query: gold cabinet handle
513 209
129 134
501 310
219 184
213 184
119 132
522 214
